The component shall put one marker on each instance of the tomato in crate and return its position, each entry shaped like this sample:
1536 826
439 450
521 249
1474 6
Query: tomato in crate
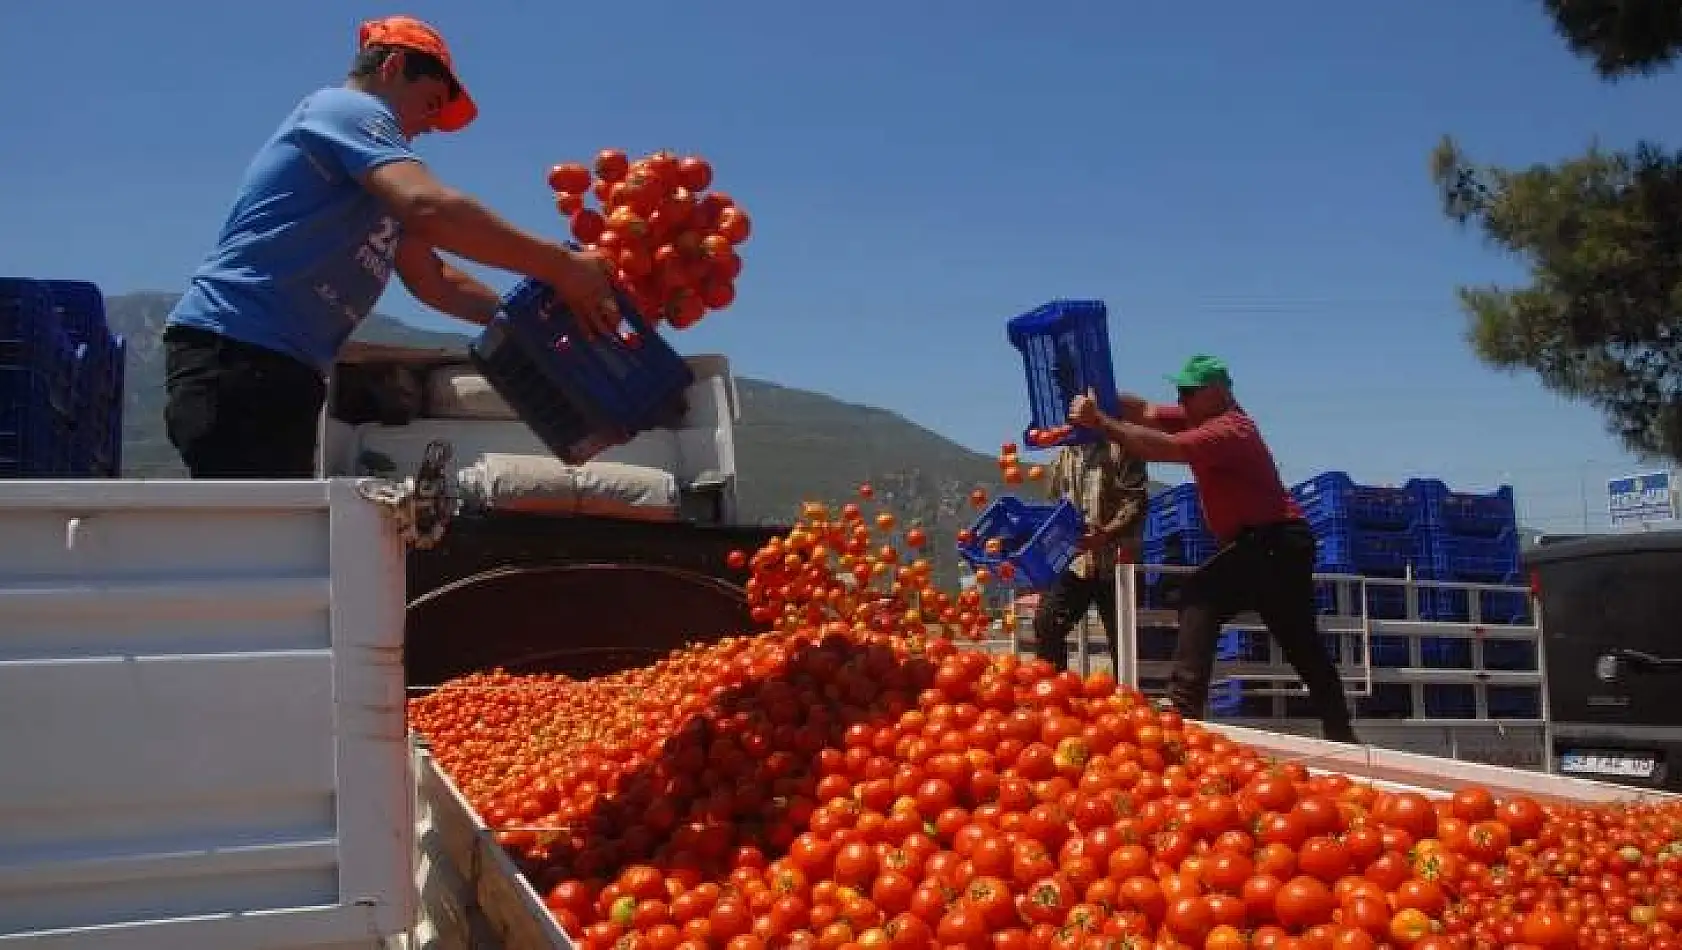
1038 541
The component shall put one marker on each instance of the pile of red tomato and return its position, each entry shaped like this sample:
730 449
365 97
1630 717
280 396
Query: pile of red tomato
672 241
850 779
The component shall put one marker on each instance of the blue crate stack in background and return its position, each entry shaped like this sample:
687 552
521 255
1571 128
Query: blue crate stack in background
1384 532
61 381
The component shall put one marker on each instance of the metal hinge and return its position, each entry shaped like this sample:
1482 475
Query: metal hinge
422 505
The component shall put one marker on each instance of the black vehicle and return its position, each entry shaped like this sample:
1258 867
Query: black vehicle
1612 642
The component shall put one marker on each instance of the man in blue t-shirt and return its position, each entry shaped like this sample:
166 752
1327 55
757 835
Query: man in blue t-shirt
331 204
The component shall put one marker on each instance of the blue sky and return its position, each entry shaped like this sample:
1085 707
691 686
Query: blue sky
1247 179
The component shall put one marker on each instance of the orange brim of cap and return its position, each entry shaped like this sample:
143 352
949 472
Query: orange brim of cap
458 112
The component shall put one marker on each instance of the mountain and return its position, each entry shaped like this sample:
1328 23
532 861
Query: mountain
791 445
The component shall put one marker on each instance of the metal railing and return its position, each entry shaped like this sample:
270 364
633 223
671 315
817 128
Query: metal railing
1354 628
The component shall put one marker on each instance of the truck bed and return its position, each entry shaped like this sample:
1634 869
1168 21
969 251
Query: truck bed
202 688
472 895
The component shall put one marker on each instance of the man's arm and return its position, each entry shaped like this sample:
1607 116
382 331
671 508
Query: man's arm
1145 443
450 220
1133 484
1142 412
363 141
442 287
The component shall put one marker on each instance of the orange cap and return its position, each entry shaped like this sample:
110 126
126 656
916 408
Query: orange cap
409 33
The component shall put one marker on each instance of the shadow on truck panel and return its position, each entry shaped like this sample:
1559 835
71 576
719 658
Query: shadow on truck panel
580 596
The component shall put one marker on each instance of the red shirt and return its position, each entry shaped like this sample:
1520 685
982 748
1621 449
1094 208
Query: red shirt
1237 480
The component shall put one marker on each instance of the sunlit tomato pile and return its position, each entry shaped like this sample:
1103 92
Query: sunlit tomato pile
673 242
851 779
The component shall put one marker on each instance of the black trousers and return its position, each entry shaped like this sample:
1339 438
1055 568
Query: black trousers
1062 606
239 411
1269 570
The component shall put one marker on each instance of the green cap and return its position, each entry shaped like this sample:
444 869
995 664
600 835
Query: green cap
1200 371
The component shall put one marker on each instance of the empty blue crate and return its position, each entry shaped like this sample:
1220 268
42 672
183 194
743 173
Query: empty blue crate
1243 646
1384 601
580 396
1334 497
1065 347
30 335
80 307
1450 701
1174 510
1465 513
1037 540
35 435
1226 698
1513 702
1509 654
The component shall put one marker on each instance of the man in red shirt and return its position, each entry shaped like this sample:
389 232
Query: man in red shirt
1266 559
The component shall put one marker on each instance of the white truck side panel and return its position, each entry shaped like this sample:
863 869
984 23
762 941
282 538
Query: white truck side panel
201 688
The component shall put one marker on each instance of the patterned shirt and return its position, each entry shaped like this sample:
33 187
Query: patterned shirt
1111 489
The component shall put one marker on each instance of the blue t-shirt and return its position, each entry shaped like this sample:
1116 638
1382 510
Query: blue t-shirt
306 251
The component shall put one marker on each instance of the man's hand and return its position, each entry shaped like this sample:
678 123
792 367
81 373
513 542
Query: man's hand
1083 410
581 281
1095 539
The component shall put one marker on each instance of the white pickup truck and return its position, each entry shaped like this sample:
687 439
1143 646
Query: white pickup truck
203 690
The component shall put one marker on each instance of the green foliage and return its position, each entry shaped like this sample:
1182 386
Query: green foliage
1601 320
1620 37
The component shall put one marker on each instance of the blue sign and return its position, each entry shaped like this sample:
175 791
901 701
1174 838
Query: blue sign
1637 499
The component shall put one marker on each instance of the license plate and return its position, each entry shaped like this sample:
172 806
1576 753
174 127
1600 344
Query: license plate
1622 765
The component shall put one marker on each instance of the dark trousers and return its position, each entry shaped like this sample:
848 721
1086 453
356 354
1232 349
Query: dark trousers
1063 605
239 411
1269 570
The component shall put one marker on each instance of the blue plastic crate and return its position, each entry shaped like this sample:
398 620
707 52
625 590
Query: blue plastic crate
1174 510
1243 646
80 307
1383 602
1471 558
30 335
579 396
1226 698
1465 513
35 435
1344 547
1156 643
1038 540
1446 653
1334 496
1447 605
1505 653
1513 702
1065 347
1185 548
1450 701
1387 651
1388 701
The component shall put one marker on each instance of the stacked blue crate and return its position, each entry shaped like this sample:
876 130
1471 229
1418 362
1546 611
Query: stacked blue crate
1175 535
37 371
1226 697
1371 531
96 445
1472 538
